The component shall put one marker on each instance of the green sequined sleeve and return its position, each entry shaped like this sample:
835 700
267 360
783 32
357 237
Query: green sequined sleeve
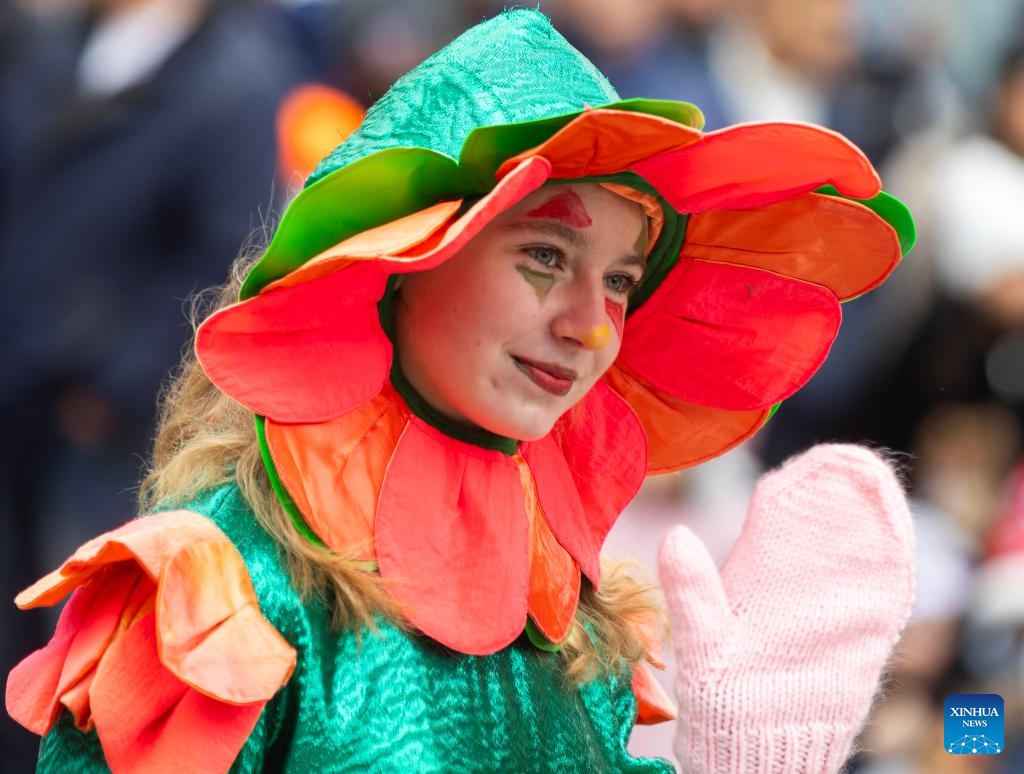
66 750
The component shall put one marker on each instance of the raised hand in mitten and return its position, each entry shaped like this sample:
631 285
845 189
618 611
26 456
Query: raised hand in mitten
779 656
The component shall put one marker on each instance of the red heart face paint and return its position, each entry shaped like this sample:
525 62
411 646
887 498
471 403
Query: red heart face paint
566 207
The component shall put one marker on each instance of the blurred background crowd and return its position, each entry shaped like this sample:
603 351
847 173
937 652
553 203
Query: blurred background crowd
143 143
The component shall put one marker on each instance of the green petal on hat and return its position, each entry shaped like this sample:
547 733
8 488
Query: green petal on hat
371 191
891 210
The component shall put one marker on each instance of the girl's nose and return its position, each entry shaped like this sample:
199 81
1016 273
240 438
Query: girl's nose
584 317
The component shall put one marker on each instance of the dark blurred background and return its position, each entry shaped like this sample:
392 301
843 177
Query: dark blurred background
143 143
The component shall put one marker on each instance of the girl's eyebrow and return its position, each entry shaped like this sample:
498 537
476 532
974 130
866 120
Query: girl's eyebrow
635 260
553 227
572 236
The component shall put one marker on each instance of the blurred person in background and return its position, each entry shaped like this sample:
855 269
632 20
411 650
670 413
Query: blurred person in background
362 46
137 146
653 48
978 240
994 652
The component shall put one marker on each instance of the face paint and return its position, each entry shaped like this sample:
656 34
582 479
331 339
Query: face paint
617 314
566 207
471 335
539 280
598 337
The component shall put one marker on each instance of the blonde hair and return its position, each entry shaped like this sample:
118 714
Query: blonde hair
205 439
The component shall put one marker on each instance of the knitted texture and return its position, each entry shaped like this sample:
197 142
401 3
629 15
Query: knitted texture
780 655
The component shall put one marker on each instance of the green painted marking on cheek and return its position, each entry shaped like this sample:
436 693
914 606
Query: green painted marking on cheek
540 281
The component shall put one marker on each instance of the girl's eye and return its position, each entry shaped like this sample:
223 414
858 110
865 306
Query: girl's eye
623 284
549 257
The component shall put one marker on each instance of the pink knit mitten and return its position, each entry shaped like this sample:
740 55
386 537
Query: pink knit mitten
780 655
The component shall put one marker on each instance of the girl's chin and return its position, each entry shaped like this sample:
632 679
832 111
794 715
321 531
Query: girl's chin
521 429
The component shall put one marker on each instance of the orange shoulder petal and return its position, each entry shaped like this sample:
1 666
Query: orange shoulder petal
163 602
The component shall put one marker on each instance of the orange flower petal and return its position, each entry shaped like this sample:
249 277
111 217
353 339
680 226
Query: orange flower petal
815 238
211 632
603 141
334 470
149 541
212 635
681 434
460 574
554 575
422 240
394 238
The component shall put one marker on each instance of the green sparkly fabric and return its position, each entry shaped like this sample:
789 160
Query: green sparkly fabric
399 703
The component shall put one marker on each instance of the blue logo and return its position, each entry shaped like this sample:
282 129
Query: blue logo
974 724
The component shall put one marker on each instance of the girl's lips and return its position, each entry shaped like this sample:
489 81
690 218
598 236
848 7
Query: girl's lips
549 377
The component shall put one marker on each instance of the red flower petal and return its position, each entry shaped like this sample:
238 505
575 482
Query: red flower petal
560 501
822 239
653 704
41 683
729 336
453 540
588 475
157 729
287 354
606 450
751 165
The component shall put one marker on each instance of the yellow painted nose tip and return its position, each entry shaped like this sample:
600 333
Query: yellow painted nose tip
598 337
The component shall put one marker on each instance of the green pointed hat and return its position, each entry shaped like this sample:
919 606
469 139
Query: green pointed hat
442 130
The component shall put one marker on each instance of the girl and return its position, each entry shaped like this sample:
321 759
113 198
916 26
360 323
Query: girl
491 312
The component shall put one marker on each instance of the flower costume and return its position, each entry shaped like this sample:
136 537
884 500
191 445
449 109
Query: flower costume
757 233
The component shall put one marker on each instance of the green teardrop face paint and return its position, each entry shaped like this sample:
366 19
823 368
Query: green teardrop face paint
540 281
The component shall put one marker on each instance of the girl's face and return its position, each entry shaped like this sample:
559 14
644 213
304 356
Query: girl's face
516 327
